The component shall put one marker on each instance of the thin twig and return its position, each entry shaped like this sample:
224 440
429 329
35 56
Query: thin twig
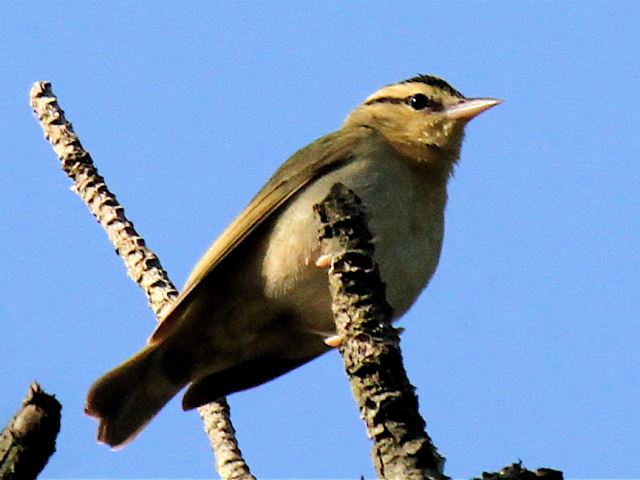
370 346
142 265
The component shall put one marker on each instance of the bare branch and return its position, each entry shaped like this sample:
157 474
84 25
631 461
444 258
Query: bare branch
142 265
229 461
370 346
30 437
516 471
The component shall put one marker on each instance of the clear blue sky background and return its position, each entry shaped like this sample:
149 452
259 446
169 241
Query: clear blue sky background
524 346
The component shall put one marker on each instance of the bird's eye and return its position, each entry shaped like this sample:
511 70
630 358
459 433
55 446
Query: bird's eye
420 101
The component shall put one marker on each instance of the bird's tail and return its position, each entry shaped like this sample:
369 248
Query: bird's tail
128 397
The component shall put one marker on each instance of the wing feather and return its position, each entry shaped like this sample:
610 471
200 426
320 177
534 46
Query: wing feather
305 165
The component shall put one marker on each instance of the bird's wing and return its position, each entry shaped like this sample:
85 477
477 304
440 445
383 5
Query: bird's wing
305 165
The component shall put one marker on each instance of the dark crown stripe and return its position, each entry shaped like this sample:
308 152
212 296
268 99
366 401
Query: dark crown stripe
435 82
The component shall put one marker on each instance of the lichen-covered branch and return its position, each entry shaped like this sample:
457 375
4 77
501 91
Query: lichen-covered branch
142 265
370 345
30 437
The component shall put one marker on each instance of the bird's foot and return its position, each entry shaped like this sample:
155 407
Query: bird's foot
323 261
333 341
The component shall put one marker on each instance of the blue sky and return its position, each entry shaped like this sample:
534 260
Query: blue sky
524 346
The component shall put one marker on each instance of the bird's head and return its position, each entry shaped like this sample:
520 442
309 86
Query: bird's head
422 117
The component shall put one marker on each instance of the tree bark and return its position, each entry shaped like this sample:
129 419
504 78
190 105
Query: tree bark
516 471
370 345
30 438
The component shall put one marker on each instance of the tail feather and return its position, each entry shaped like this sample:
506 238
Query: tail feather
239 377
128 397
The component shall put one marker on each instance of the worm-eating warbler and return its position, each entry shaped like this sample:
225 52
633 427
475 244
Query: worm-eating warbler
257 305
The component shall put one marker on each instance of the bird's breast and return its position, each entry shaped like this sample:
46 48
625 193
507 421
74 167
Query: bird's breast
405 216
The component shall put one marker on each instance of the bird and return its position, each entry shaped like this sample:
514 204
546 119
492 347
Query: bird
257 304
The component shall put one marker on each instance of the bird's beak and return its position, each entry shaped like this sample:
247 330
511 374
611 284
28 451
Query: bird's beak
470 107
